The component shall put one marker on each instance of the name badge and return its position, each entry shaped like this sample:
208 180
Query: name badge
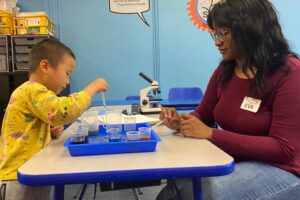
251 104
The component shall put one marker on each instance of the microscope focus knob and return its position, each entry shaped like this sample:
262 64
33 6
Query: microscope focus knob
144 102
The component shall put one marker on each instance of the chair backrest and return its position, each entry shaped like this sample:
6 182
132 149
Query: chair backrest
185 93
136 97
132 98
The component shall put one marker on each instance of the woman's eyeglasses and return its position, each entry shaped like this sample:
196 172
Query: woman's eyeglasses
219 35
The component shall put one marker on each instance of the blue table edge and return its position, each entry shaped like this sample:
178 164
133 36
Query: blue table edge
124 175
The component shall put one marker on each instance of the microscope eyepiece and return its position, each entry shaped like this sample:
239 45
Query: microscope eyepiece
145 77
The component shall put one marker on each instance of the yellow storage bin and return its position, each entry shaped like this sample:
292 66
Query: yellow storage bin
33 23
6 30
6 23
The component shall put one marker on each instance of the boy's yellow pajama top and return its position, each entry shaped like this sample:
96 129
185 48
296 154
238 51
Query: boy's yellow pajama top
26 125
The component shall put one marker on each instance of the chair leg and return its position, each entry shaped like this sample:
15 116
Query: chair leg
78 191
173 182
95 191
83 191
136 193
139 191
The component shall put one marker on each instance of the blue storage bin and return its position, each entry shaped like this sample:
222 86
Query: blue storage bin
98 148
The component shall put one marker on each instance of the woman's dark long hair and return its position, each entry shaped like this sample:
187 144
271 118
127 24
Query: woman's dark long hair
256 31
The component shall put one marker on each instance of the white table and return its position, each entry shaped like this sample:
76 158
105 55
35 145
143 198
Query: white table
175 157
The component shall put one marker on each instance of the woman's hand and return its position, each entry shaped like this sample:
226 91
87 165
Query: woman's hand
191 126
171 117
56 131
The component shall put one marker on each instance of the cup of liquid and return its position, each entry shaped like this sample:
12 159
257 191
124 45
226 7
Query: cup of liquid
113 125
145 133
79 135
129 123
90 118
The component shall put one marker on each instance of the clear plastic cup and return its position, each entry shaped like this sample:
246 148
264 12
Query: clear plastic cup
114 135
145 133
133 135
79 135
113 120
129 123
90 118
113 124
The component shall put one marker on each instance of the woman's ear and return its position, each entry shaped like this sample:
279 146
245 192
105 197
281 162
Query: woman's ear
44 66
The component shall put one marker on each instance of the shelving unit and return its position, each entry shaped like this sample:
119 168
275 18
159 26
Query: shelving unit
21 46
4 53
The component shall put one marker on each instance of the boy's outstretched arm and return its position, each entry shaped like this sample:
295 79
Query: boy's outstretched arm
98 85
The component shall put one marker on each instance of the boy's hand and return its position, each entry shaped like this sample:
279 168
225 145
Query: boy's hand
172 118
98 85
56 130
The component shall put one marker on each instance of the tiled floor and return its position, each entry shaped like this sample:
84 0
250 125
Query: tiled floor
148 193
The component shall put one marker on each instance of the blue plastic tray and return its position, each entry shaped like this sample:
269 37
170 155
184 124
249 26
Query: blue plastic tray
98 148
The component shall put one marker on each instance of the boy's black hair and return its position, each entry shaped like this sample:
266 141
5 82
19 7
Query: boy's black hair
256 31
48 49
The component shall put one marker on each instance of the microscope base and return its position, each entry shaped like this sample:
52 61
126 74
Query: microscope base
150 110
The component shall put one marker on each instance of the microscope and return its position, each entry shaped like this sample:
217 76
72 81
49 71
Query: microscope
149 106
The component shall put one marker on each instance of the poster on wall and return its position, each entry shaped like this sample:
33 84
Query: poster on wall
198 11
130 7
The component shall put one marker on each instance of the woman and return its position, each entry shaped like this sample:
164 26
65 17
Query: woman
254 97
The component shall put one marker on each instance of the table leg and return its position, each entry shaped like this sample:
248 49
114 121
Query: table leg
197 188
59 192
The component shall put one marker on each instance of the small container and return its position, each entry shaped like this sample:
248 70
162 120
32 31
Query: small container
79 136
90 118
129 123
114 135
133 135
97 140
145 133
113 119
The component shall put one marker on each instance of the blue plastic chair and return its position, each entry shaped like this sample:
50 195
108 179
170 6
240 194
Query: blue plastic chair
132 98
136 97
185 93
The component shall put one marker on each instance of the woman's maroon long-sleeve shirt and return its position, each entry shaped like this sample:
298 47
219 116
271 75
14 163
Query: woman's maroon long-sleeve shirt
272 134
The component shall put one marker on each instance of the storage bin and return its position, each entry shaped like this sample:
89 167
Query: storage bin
6 30
23 49
3 49
22 65
2 41
22 57
6 19
43 30
3 60
27 40
6 23
33 23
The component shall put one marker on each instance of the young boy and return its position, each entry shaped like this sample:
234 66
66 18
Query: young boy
33 108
